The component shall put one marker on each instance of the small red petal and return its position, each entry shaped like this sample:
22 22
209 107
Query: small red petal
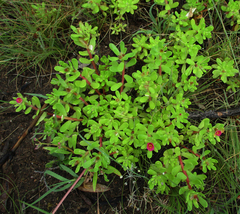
150 146
218 133
19 100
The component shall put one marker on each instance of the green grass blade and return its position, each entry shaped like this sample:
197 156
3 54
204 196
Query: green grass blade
65 168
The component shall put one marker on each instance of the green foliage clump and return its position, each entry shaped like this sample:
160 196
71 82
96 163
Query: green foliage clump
232 9
98 118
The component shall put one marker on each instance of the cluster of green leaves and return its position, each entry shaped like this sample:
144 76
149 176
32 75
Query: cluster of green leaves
43 14
120 119
232 9
119 8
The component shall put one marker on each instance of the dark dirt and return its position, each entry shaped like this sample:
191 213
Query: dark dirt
23 175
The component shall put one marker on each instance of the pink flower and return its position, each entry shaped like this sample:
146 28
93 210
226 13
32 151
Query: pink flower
59 145
150 147
218 133
19 100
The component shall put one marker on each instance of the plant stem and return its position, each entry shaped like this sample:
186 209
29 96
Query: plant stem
90 84
160 68
64 197
83 101
168 10
93 63
58 116
123 73
184 172
192 151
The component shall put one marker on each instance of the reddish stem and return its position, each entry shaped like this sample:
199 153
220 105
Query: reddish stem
100 140
123 73
85 79
93 63
58 116
184 172
160 68
83 101
112 153
168 10
191 151
65 196
90 84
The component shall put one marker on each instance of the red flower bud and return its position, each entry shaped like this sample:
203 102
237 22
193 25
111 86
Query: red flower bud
218 132
19 100
150 147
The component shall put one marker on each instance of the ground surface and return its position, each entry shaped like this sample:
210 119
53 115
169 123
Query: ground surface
25 171
22 178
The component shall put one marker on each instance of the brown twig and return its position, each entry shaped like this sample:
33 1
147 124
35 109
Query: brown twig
214 114
28 129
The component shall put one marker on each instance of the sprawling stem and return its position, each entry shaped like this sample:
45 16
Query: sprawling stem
57 116
90 84
93 63
160 68
123 73
168 10
192 151
184 172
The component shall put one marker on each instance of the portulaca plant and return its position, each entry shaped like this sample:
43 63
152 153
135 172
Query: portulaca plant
93 118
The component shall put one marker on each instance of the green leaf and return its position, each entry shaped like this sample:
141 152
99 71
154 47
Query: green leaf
132 62
43 116
144 99
149 154
79 151
181 176
202 201
75 63
177 151
95 176
19 108
176 170
122 47
151 104
84 60
194 128
103 7
88 163
73 77
28 110
36 102
58 68
116 86
59 93
65 126
114 49
60 108
80 83
95 85
182 190
111 169
120 67
83 53
128 78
